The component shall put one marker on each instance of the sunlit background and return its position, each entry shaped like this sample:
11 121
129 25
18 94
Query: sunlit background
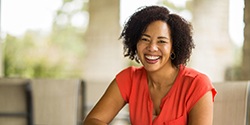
54 25
63 39
20 16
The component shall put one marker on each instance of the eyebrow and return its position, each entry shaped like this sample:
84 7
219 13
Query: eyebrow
159 37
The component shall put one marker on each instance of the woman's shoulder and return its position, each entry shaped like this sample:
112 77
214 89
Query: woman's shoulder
189 71
192 73
131 71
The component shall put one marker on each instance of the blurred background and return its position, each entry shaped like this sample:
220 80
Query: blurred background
64 39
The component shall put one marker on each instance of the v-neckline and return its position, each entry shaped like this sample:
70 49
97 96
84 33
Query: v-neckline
173 87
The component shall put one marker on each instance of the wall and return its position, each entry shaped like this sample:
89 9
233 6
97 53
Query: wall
104 58
214 49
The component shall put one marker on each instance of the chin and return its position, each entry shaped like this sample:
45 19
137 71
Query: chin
151 68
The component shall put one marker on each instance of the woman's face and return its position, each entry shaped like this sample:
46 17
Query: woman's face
155 46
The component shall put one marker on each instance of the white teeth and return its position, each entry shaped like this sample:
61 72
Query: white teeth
152 57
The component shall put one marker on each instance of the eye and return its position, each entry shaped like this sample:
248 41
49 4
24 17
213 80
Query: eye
162 41
145 39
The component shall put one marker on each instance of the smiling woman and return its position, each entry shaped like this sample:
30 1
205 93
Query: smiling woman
163 90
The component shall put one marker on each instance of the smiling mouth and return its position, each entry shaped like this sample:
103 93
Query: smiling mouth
152 59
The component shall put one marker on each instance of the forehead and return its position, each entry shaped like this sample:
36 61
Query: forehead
158 28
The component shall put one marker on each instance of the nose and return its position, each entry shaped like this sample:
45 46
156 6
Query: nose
152 47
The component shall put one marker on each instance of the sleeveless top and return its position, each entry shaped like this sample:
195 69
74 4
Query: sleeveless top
189 86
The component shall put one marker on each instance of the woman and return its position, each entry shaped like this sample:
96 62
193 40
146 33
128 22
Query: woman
163 91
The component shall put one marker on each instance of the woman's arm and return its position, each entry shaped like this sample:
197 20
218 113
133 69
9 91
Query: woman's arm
107 107
202 112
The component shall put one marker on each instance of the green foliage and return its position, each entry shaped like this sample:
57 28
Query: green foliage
58 54
24 58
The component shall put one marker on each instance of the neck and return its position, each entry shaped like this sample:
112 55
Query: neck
164 77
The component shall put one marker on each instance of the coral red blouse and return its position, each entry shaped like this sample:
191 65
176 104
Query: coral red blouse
188 88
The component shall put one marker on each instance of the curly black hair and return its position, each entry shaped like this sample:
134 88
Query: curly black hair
181 32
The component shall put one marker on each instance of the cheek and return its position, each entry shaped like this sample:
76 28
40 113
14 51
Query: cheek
167 49
139 47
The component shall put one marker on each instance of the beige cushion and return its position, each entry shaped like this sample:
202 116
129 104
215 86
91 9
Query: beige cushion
57 102
13 101
230 106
